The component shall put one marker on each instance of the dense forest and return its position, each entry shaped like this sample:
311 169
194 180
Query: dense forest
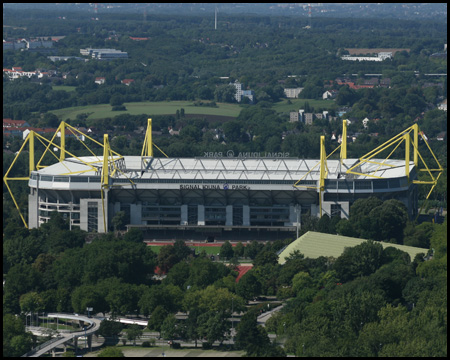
367 302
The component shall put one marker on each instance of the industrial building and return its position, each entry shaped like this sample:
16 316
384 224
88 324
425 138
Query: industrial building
220 195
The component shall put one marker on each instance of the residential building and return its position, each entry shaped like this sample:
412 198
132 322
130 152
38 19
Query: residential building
293 116
64 58
13 45
292 93
100 80
104 54
238 87
33 44
308 118
8 123
365 123
441 136
329 94
250 94
127 82
443 105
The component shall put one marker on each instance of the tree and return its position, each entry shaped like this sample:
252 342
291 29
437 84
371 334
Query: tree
182 251
253 338
15 341
360 260
226 251
119 220
214 326
248 286
252 249
167 258
110 328
116 100
265 257
169 328
134 332
239 249
157 318
111 351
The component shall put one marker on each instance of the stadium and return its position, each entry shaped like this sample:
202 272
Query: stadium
215 197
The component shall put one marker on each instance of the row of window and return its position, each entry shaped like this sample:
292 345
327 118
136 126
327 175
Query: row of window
329 184
97 179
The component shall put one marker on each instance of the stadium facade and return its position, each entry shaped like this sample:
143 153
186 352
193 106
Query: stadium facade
224 194
220 196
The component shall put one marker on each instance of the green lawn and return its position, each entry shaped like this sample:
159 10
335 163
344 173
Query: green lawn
210 250
150 108
64 87
297 104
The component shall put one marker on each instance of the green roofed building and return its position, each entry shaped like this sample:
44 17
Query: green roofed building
314 244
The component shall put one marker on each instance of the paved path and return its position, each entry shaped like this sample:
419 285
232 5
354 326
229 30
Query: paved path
94 325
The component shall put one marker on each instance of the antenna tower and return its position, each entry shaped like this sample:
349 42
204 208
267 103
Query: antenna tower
95 8
309 14
215 19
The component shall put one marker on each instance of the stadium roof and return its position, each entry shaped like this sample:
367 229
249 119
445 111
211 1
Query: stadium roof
228 168
314 244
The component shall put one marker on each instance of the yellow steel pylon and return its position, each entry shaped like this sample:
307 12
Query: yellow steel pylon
396 141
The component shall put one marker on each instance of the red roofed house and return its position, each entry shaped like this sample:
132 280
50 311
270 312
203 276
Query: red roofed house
127 82
8 123
138 38
100 80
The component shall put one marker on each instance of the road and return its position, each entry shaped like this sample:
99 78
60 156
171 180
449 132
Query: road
94 325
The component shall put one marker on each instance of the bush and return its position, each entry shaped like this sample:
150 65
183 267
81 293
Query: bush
206 346
111 352
149 343
176 345
119 108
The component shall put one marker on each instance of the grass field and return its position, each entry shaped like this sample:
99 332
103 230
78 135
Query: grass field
150 108
210 250
64 87
297 104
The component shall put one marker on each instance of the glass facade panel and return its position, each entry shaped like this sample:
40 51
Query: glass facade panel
363 185
92 216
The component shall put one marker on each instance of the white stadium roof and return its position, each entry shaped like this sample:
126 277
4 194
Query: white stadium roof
226 168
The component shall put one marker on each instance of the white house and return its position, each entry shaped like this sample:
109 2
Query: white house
365 122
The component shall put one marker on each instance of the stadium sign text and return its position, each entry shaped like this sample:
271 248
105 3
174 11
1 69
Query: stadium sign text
246 155
214 187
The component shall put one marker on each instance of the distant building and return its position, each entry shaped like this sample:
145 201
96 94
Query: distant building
292 93
308 118
33 44
329 94
9 123
441 136
380 57
64 58
443 105
104 54
100 80
13 45
365 123
127 82
293 116
250 94
238 87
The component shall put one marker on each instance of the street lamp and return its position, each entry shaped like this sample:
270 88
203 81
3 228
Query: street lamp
85 337
232 317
